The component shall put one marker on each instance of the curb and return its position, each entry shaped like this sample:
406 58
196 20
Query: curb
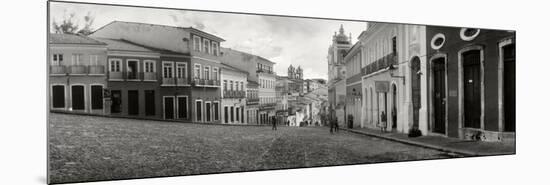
153 119
420 144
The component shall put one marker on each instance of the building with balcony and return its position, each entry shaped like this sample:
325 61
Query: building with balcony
471 83
392 77
190 67
234 88
252 102
76 74
354 88
133 79
260 70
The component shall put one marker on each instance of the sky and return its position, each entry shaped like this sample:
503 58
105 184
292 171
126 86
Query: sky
283 40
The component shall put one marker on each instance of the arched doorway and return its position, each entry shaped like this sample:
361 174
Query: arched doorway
415 89
394 107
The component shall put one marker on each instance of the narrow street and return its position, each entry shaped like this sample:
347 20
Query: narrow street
89 148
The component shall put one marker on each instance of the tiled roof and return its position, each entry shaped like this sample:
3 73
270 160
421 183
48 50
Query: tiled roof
228 67
122 45
56 38
189 29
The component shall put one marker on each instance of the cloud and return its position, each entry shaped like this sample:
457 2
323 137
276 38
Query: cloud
284 40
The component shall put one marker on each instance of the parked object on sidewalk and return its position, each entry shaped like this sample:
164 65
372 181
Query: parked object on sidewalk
415 132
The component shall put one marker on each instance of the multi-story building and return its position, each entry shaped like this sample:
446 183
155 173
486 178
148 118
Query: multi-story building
133 81
354 89
77 77
234 83
337 73
392 76
471 83
191 81
259 70
252 102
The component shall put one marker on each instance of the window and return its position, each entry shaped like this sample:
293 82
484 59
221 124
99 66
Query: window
132 68
242 86
207 72
208 111
225 85
215 73
150 102
167 69
76 58
114 65
58 96
77 97
437 41
215 48
149 66
206 46
198 108
231 84
181 70
94 60
469 34
394 45
182 107
57 59
225 115
216 107
197 72
196 43
97 96
237 114
232 114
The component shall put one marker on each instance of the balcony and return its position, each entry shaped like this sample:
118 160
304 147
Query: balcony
197 81
149 76
182 81
115 76
77 70
57 70
96 70
209 82
132 76
168 81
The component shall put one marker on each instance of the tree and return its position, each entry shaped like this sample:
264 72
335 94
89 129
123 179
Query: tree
70 25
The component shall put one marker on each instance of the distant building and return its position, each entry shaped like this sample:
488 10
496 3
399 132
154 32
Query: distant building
77 74
234 83
252 102
260 70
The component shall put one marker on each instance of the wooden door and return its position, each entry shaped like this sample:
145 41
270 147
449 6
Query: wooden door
509 90
133 102
439 95
168 107
472 88
77 97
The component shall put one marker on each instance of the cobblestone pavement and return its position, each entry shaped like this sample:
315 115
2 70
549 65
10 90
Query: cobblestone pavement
88 148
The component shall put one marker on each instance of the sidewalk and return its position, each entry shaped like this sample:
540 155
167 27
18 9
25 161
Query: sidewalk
446 144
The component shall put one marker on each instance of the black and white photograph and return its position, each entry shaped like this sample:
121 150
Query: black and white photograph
140 92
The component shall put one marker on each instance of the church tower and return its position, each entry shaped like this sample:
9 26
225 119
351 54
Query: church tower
341 43
291 72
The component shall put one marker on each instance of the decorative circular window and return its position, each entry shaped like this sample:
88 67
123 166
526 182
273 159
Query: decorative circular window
437 41
468 34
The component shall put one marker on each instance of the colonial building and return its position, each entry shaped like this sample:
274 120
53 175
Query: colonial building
471 83
354 90
77 74
199 72
337 73
132 79
393 77
252 102
234 83
260 70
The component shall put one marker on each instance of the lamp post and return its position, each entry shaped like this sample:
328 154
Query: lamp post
392 69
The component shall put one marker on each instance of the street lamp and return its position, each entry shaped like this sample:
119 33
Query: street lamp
392 70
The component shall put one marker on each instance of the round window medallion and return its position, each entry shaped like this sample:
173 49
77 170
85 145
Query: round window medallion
468 34
437 41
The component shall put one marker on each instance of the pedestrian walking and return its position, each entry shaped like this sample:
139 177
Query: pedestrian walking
350 121
384 120
336 126
274 123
